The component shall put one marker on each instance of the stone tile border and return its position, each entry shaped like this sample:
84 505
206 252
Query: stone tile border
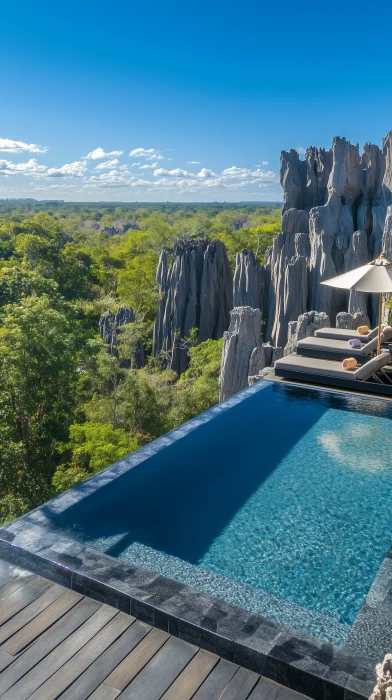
317 669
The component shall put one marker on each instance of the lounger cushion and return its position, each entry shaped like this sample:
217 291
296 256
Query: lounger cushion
341 334
313 365
345 334
336 346
331 368
372 366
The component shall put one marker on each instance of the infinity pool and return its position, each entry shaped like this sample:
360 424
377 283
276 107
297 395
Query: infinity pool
280 504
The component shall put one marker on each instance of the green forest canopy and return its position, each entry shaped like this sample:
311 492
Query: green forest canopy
67 408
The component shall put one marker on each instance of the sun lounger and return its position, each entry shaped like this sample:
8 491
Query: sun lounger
370 377
345 334
332 349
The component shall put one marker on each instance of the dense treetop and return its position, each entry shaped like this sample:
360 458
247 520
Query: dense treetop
67 407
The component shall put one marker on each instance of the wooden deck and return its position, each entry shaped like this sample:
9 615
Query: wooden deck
56 643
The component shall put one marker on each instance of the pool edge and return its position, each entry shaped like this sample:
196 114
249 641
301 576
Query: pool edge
317 669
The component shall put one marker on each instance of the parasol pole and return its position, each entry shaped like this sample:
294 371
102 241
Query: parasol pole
379 323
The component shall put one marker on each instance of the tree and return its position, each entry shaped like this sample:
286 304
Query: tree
39 348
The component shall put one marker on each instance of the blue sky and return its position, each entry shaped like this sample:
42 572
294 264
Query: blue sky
228 85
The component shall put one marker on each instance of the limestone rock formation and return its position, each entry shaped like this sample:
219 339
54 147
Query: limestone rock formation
286 266
338 200
108 330
243 336
306 326
351 321
337 215
253 378
249 281
357 254
243 354
383 688
196 291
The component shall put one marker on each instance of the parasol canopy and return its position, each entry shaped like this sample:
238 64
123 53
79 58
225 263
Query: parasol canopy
375 277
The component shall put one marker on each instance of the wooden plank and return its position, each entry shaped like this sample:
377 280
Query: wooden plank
60 655
105 692
240 686
5 660
28 613
41 622
217 681
9 572
160 672
137 659
193 675
104 665
22 597
70 671
9 588
265 690
47 643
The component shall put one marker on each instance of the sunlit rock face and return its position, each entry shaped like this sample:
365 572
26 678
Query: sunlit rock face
244 355
338 200
195 291
337 215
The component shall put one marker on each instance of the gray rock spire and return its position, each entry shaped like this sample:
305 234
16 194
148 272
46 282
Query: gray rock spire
195 292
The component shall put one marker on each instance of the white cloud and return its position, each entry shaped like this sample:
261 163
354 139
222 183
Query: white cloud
11 146
147 153
246 174
194 162
107 164
114 178
265 162
204 172
76 169
32 167
177 172
146 166
99 153
301 150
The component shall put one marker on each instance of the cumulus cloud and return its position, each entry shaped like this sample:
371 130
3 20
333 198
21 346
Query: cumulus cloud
146 166
76 169
114 178
107 164
194 162
31 167
204 172
247 174
99 153
11 146
147 153
177 172
301 150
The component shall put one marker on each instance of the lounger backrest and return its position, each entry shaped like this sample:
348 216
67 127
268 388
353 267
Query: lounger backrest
372 334
372 366
370 346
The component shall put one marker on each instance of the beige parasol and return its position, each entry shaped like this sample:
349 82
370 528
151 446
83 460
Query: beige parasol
375 277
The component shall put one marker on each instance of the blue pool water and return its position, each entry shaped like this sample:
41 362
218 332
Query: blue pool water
280 504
